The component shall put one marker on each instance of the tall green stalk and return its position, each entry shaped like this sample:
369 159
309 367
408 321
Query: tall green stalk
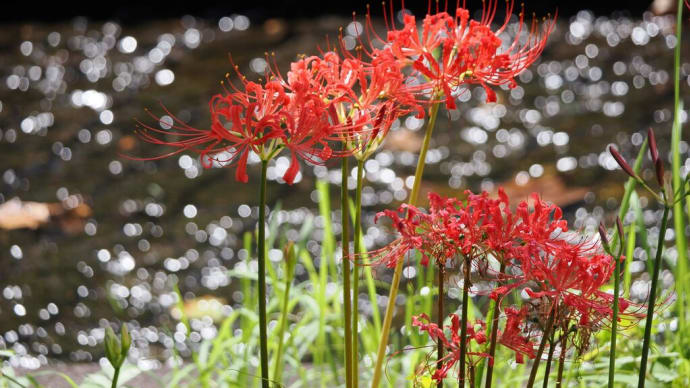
545 337
395 283
115 378
561 358
463 322
549 360
651 301
678 184
439 321
614 323
494 333
290 261
629 253
347 289
355 279
327 249
262 277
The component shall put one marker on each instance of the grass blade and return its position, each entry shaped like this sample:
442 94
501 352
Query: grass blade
629 252
679 222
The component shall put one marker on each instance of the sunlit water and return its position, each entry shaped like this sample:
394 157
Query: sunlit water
68 96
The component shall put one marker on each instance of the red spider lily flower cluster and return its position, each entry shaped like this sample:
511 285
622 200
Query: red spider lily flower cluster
565 275
476 333
451 228
322 100
562 278
364 98
469 50
353 99
261 118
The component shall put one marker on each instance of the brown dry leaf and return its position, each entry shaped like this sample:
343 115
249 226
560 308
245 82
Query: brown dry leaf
15 214
18 214
662 7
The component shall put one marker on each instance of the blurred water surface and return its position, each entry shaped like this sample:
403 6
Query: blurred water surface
110 237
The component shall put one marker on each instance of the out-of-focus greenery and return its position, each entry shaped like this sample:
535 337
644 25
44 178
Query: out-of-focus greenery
312 346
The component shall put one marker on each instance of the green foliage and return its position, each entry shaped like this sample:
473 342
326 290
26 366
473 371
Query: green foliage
306 332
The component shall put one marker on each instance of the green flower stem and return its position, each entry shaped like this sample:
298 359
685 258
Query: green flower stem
262 277
355 278
463 322
678 184
347 288
652 299
549 359
542 345
115 377
494 333
614 324
289 274
629 253
561 358
439 320
395 283
677 53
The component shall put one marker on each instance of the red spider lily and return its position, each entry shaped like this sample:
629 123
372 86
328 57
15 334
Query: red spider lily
470 52
567 278
539 224
498 226
480 57
435 234
260 118
571 272
409 237
501 230
363 99
307 130
240 123
570 275
562 277
475 333
451 228
377 97
247 117
514 337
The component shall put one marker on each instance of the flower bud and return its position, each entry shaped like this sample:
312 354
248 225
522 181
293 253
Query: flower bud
619 225
659 167
621 162
653 150
126 341
116 349
602 234
112 347
290 259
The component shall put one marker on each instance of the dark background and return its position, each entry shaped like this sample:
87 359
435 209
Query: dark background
129 12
